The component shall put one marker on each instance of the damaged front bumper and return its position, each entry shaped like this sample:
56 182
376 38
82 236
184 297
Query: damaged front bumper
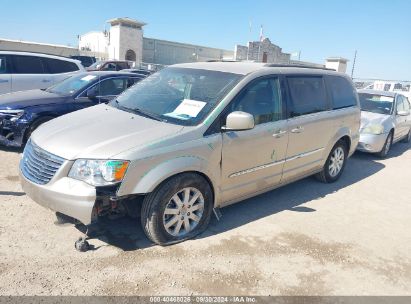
12 132
65 195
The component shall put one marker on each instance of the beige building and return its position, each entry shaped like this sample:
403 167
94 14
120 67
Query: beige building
124 41
261 51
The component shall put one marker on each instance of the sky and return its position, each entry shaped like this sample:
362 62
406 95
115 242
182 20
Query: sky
380 30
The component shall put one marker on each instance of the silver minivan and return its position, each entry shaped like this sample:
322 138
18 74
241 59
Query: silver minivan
190 139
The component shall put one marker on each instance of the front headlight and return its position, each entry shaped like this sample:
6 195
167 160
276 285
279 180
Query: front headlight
12 114
99 172
374 129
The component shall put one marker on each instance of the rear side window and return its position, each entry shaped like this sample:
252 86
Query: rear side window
27 65
56 66
308 95
342 92
3 65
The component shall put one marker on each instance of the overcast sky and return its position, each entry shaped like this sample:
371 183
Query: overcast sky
380 30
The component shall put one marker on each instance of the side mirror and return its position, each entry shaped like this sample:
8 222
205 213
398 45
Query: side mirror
239 121
92 93
403 113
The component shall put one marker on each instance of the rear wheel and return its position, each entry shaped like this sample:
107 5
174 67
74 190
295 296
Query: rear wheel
387 146
334 166
178 209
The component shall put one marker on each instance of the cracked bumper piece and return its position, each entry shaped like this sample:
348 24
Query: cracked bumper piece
10 143
68 196
371 143
12 133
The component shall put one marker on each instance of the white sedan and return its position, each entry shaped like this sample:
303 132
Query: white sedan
385 120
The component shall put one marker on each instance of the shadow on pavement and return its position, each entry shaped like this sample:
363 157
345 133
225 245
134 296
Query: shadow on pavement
124 233
291 196
128 235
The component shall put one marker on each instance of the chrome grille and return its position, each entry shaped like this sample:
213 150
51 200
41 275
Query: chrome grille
38 165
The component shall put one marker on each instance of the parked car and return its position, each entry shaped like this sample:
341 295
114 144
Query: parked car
138 71
26 71
23 112
86 61
190 139
385 120
109 65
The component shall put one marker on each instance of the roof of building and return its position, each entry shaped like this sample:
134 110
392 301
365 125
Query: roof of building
126 20
36 43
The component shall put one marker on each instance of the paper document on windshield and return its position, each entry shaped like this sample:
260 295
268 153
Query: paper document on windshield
187 109
88 77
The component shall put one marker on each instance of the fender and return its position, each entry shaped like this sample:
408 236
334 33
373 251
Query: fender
146 182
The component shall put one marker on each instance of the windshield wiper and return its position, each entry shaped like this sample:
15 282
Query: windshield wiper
139 111
147 114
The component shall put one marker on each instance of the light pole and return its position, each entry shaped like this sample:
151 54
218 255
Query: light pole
353 64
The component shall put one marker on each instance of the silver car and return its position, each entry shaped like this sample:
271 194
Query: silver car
385 119
190 139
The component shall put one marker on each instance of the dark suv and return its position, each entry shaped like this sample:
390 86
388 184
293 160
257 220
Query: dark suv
22 112
86 61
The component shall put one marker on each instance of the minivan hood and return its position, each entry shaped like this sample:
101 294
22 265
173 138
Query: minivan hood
374 118
99 132
25 99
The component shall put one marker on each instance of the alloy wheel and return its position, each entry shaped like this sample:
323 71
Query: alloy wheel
336 162
183 212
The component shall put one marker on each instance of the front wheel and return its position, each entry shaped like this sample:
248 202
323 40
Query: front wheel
387 146
178 209
335 164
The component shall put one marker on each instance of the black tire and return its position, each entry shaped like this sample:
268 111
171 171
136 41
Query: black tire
407 139
387 146
154 205
325 176
34 126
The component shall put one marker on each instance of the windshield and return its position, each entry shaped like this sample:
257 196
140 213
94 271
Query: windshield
376 103
96 65
72 85
178 95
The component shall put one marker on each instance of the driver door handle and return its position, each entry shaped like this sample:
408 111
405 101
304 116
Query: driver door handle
279 133
299 129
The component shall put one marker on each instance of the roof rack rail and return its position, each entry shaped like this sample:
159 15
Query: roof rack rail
304 66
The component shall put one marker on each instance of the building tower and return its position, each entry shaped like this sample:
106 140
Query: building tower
126 39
